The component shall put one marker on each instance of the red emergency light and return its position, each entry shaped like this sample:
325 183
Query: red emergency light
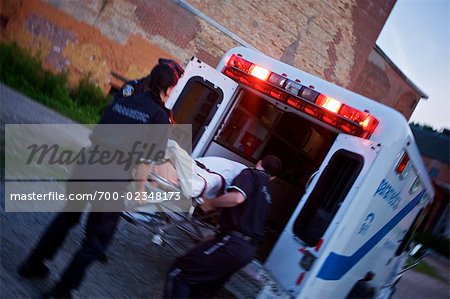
327 109
328 103
259 72
401 166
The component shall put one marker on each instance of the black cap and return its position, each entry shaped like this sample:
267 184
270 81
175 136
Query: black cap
173 64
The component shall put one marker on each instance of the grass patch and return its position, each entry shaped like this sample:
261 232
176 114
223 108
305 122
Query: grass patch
425 268
23 71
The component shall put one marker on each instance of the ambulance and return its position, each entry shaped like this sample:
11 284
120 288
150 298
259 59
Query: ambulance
354 186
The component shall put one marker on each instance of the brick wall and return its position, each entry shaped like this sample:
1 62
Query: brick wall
331 39
326 38
67 43
380 81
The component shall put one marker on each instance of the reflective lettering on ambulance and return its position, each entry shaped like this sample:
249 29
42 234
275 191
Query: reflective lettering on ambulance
366 224
388 193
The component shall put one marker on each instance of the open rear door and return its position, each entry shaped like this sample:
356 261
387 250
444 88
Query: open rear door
200 98
320 210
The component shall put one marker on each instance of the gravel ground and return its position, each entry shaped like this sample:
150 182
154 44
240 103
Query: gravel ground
418 285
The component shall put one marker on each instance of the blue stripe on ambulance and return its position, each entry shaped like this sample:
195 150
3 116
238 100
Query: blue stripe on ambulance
337 265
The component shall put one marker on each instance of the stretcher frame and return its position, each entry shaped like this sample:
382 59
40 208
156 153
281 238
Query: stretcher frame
166 218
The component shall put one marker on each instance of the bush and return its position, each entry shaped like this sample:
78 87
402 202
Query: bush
88 94
24 72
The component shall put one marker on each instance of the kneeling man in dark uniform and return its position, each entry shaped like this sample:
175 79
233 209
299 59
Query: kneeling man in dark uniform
205 268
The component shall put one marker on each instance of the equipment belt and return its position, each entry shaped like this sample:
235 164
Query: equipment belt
238 234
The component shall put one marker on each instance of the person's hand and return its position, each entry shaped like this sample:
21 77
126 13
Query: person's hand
206 205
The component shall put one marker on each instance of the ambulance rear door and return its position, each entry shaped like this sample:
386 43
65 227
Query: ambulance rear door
308 232
201 98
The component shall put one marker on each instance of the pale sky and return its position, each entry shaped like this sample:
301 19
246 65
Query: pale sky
416 37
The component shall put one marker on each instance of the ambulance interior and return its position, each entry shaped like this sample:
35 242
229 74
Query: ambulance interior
255 127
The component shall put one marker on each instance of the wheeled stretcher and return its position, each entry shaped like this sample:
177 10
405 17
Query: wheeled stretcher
179 176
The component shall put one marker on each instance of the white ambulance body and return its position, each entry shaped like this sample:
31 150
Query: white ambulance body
354 186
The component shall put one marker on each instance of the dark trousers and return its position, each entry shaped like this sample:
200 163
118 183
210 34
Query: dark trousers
100 228
203 270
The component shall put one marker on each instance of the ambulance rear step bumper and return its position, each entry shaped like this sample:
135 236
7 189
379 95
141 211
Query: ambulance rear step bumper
254 281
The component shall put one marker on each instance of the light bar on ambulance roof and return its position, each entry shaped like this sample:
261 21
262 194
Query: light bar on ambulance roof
276 80
306 99
259 72
308 94
328 103
293 87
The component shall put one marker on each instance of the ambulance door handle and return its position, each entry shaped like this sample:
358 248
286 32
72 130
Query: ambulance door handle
310 179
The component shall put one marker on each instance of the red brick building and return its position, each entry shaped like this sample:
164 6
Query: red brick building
331 39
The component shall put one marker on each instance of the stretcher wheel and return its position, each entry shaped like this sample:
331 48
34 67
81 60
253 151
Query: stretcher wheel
158 240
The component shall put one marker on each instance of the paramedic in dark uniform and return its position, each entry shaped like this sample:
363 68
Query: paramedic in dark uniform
132 111
137 86
140 85
245 207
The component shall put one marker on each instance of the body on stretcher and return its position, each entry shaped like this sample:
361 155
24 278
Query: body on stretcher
206 176
190 180
161 216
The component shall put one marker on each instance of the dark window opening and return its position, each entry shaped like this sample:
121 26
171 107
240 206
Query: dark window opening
408 236
327 196
3 21
249 127
197 105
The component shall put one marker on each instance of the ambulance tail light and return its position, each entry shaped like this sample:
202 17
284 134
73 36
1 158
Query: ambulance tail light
401 166
318 245
299 279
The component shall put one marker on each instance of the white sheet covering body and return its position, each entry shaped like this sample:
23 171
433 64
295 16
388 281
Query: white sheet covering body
195 181
224 172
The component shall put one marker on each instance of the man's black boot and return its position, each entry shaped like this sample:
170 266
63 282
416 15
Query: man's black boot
58 293
33 269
